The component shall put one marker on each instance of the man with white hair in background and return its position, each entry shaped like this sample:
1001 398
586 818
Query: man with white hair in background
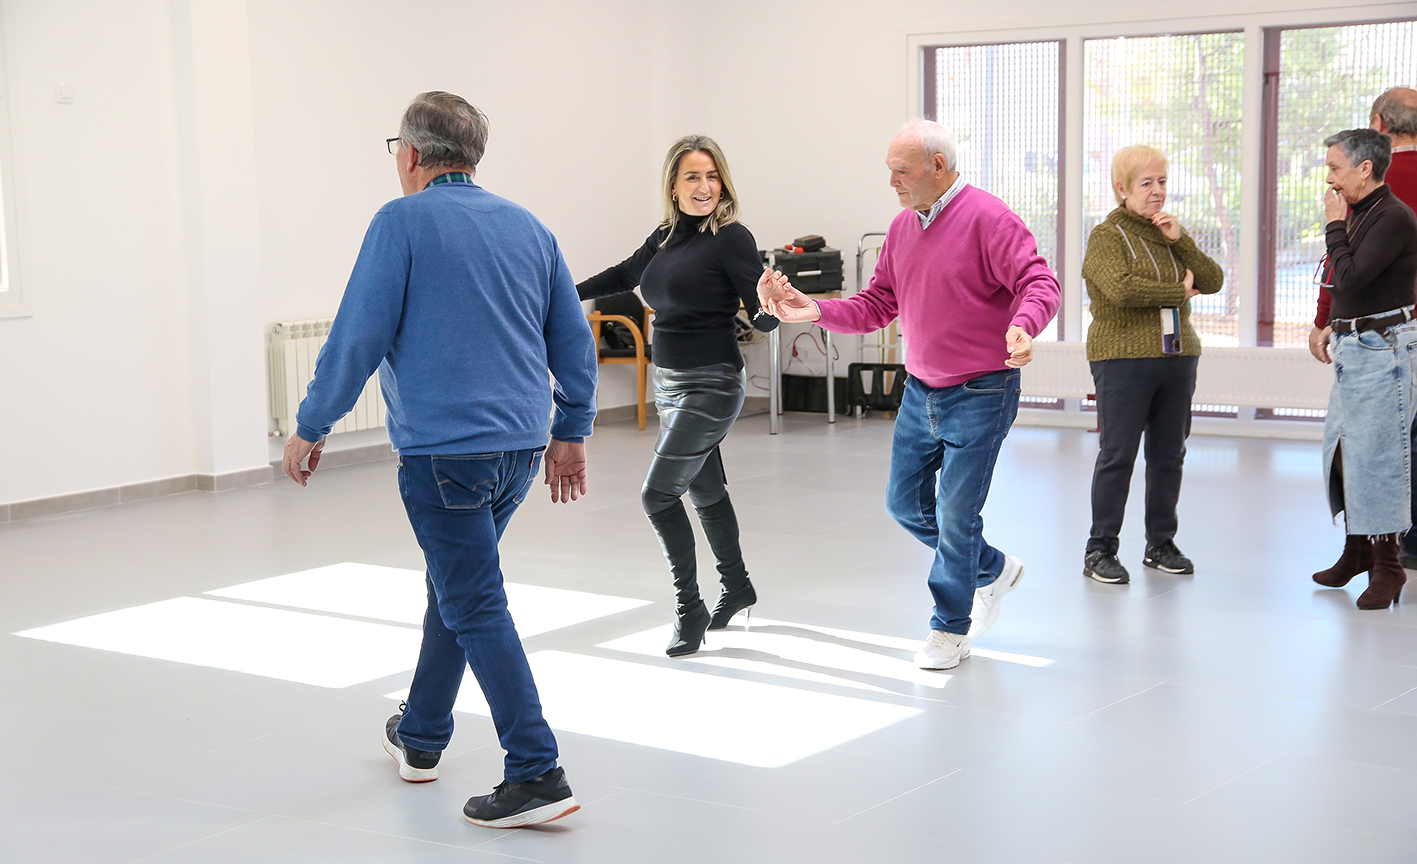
963 274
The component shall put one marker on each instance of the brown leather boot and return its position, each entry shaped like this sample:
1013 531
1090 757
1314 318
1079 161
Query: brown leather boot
1357 558
1386 577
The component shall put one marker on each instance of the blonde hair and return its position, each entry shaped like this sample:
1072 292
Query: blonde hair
726 213
1129 161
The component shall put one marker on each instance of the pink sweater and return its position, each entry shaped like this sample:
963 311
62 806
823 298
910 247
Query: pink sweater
956 286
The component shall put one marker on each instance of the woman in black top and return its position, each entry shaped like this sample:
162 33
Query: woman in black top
694 271
1370 270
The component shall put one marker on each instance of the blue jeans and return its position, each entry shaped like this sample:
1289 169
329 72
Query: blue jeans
1369 427
459 506
955 432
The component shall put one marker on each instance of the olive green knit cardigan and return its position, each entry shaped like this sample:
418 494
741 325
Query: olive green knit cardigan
1132 271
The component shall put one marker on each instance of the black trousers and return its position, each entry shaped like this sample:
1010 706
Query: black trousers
1150 395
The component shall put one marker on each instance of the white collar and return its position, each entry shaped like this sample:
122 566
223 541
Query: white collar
955 188
1405 148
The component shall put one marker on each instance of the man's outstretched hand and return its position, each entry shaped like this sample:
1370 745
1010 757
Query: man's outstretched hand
297 449
1020 346
565 470
782 301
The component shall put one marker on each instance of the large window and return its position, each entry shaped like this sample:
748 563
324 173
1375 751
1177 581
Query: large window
1039 116
1182 95
1002 103
1318 80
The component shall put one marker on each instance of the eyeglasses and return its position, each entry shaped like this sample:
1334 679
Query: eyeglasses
1323 278
392 143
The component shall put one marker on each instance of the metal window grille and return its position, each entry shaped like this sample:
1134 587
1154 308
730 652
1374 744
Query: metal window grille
1182 95
1003 104
1318 81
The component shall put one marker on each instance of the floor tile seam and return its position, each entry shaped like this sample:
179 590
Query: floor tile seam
233 744
895 797
742 807
1372 622
113 787
1236 777
1393 700
423 840
1280 819
1356 709
199 839
1117 702
845 691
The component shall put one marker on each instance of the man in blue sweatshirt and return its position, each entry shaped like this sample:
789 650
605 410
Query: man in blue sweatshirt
463 303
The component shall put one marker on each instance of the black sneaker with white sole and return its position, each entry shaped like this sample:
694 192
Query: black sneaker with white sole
1168 558
514 805
1105 568
415 766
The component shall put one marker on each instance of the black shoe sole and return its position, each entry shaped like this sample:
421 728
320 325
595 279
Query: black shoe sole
539 816
1148 562
1097 577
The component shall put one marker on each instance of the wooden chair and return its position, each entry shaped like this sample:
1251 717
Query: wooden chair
626 309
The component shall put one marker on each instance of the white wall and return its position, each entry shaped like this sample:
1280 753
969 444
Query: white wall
94 390
134 202
568 90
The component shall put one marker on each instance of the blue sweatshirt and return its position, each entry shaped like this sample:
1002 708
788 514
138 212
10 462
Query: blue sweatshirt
463 303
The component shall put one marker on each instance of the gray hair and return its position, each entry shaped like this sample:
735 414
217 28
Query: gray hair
1364 145
444 129
933 139
1398 108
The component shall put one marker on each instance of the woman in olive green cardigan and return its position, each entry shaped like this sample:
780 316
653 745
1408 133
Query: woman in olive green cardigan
1141 270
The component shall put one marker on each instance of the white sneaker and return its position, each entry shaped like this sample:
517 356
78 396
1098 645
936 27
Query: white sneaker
986 600
942 650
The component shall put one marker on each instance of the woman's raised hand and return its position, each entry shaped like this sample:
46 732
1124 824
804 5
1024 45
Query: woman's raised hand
1335 208
1170 228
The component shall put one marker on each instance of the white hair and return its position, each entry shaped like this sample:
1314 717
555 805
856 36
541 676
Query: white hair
933 139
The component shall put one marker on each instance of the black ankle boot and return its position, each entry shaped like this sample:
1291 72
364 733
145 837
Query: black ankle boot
689 626
720 525
676 538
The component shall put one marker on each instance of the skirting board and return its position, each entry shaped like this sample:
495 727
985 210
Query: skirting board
1281 430
94 498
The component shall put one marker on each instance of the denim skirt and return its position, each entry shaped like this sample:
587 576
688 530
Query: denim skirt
1369 424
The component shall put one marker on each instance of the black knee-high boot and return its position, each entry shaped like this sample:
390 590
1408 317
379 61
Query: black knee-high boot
676 538
720 525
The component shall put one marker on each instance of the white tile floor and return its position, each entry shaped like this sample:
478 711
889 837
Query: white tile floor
203 678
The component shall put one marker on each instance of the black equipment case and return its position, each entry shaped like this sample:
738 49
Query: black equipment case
810 272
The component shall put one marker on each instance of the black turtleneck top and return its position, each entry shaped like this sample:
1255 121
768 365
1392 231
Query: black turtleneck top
1372 257
694 283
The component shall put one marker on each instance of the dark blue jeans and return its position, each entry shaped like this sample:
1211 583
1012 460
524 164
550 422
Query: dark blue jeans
954 432
459 506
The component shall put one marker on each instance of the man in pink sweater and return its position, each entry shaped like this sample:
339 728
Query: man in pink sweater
963 274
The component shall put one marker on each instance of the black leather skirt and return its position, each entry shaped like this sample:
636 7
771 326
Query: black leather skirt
696 408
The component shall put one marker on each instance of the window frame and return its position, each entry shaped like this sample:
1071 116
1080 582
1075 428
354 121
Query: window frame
1267 286
929 104
1071 197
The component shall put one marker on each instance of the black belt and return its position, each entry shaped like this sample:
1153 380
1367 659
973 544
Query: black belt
1372 322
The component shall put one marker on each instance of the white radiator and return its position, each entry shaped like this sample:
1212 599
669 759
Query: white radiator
1252 377
294 347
